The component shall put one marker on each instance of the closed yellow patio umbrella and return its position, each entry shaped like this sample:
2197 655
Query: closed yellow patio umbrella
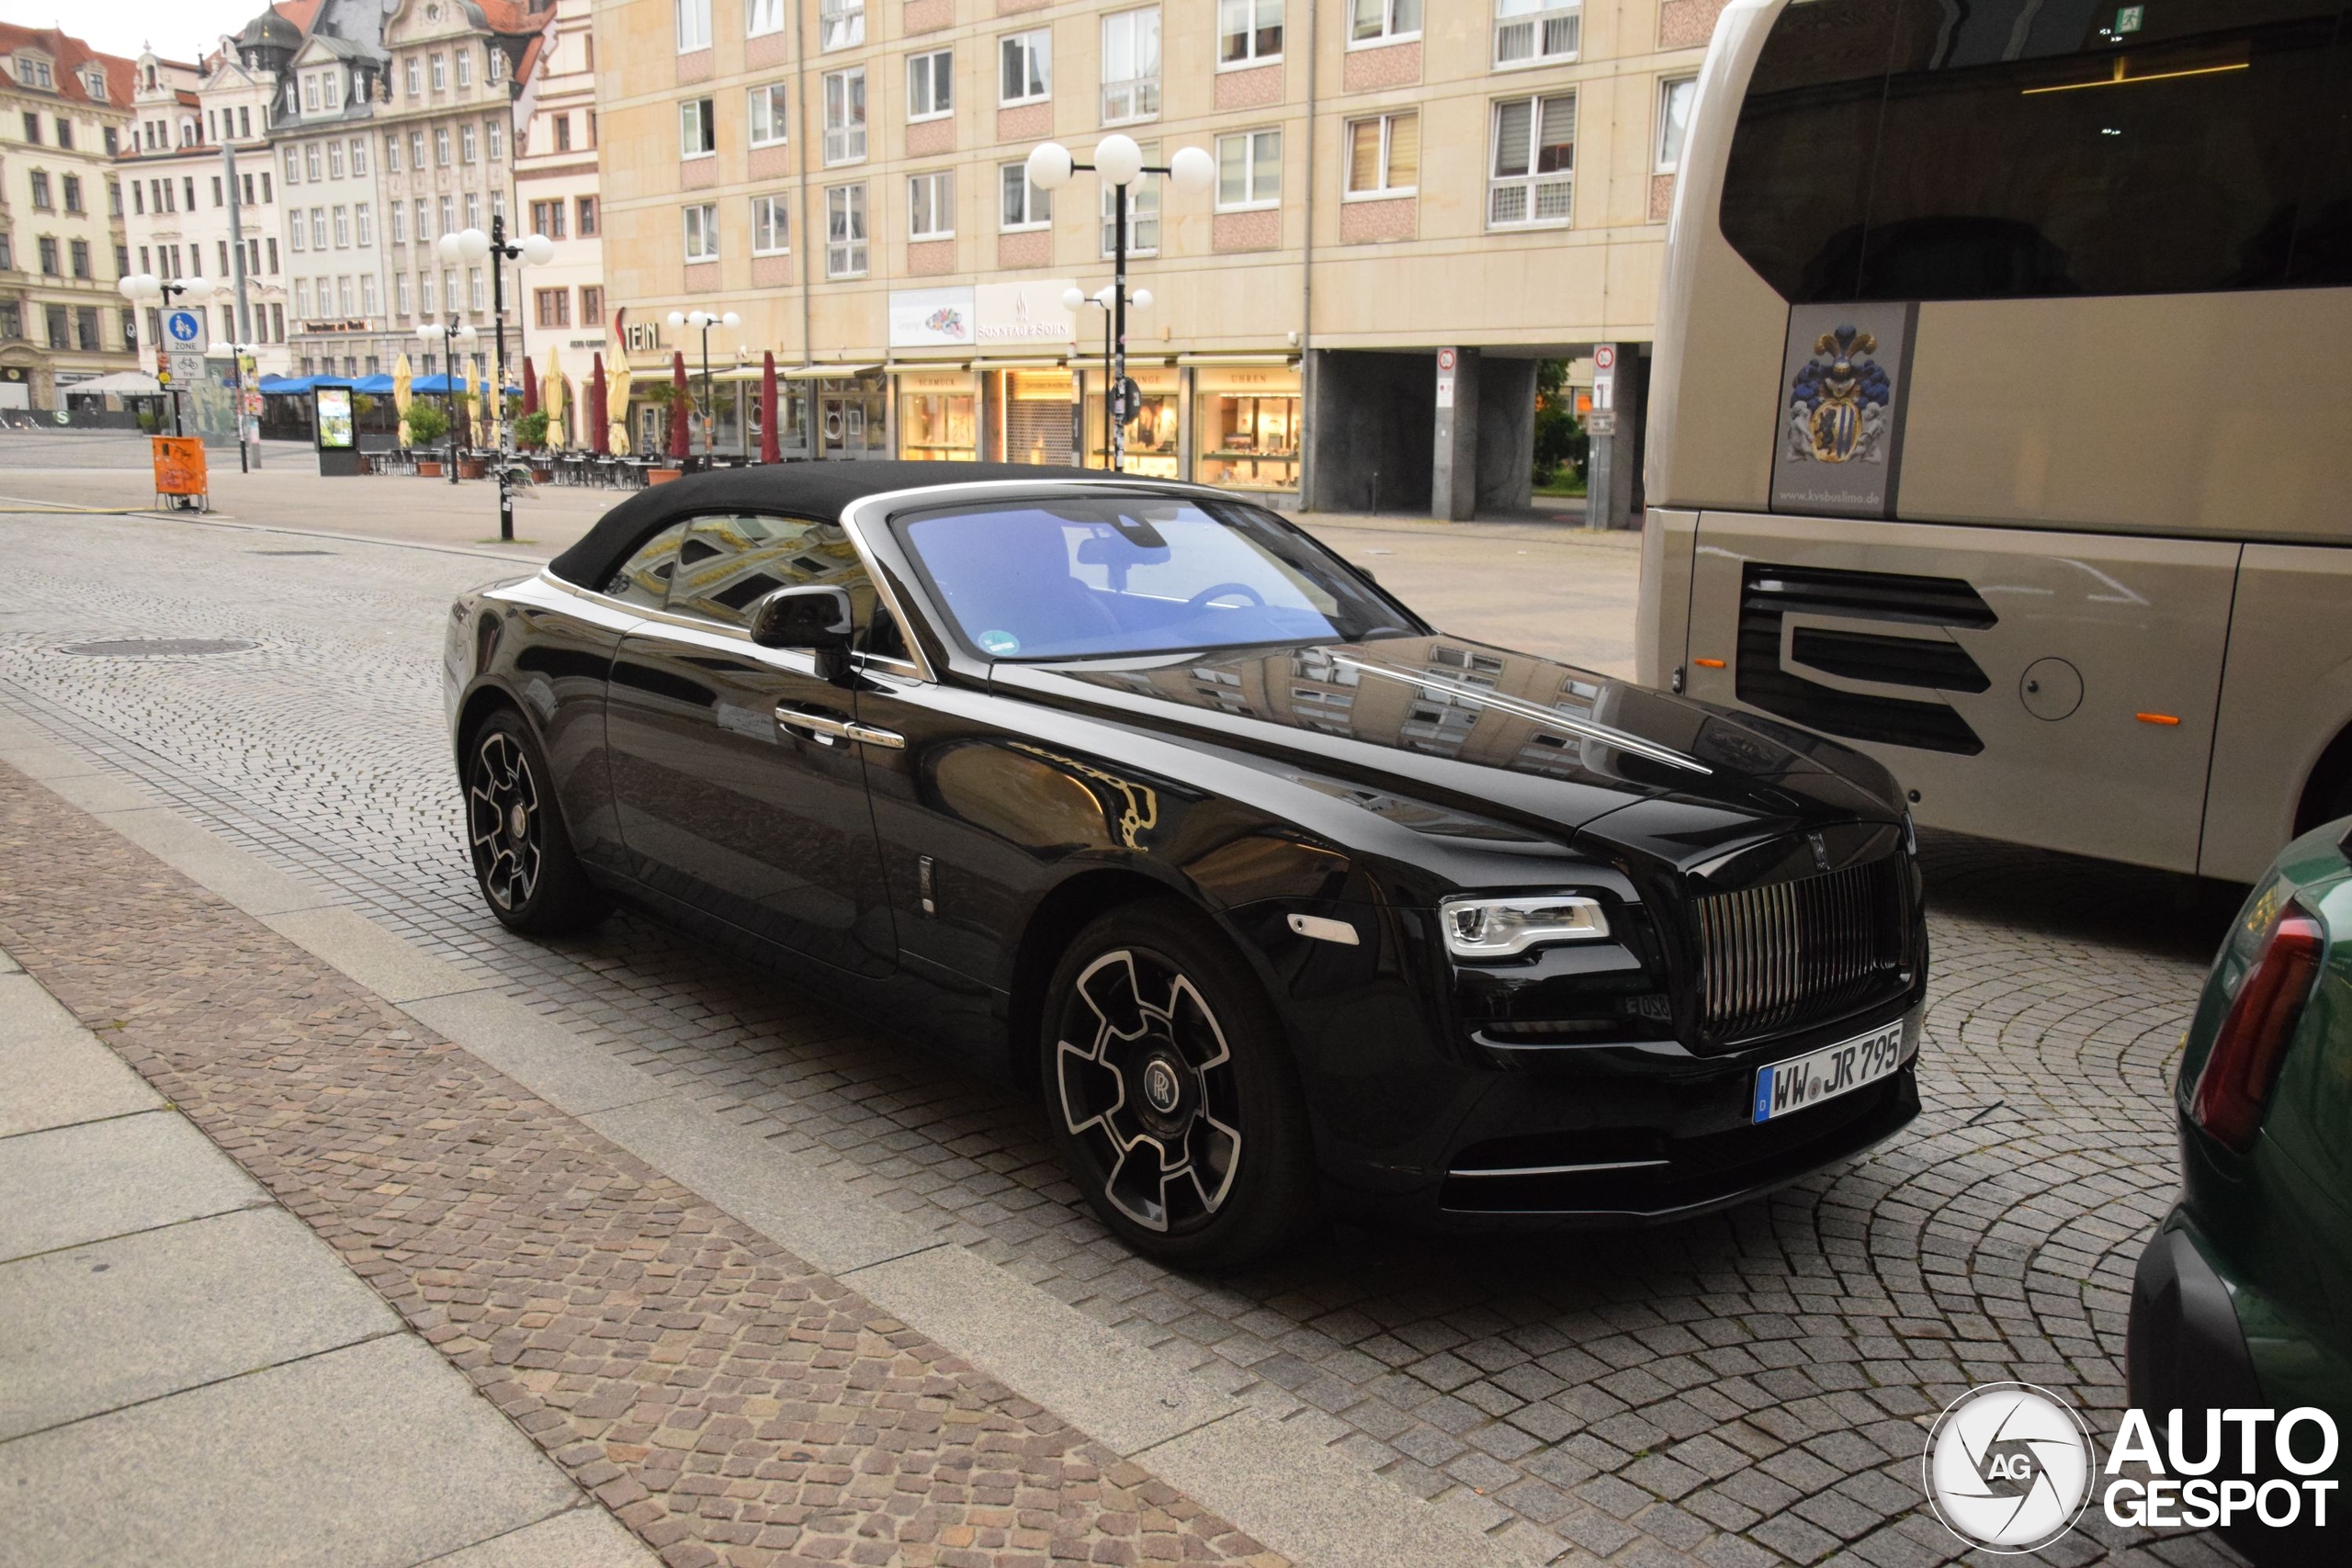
617 380
554 401
402 396
474 406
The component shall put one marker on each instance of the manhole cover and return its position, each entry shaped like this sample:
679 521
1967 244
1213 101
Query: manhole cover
159 647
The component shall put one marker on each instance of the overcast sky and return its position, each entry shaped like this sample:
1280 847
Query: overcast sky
179 28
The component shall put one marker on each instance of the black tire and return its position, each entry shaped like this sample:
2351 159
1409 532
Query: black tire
523 857
1157 1041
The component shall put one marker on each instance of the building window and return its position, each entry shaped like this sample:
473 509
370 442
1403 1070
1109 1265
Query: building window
311 94
41 202
466 142
1131 66
1384 21
9 253
494 133
293 166
494 63
319 228
1249 170
846 231
366 293
592 305
702 232
33 73
440 72
1534 161
32 127
341 227
424 293
415 76
762 16
465 67
266 196
845 118
587 212
78 257
771 122
397 213
1384 155
1025 62
272 245
359 157
441 146
400 296
771 227
448 214
85 329
310 162
931 206
477 299
1143 211
553 306
11 318
302 296
363 217
416 151
473 209
562 124
1674 96
547 218
698 128
1026 205
841 24
931 85
72 186
1249 32
1536 32
95 84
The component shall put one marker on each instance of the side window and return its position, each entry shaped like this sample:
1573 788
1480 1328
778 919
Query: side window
726 563
644 579
880 635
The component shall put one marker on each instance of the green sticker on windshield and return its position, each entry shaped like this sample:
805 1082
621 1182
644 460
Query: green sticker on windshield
1004 645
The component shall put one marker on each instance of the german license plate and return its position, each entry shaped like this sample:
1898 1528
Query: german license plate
1783 1087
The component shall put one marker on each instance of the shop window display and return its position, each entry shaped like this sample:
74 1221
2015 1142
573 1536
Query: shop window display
1249 440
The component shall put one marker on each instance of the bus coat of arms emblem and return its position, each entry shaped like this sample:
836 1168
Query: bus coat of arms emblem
1840 401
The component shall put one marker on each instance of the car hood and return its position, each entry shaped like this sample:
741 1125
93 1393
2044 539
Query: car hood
1566 752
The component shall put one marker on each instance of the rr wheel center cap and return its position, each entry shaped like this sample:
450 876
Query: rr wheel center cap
1161 1089
518 822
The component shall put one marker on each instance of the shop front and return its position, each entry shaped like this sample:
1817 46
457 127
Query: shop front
848 412
1034 413
1154 437
938 414
1246 427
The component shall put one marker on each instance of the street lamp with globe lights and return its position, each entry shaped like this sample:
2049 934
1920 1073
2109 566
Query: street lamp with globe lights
472 245
702 322
1115 399
451 333
1118 160
146 288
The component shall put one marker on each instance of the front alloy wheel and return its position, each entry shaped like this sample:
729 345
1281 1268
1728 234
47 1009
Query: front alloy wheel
1171 1092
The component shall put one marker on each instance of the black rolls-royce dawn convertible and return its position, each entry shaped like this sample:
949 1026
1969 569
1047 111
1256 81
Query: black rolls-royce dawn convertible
1282 900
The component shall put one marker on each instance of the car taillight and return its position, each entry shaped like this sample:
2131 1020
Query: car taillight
2234 1090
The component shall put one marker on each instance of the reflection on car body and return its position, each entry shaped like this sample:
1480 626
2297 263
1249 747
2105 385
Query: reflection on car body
1282 900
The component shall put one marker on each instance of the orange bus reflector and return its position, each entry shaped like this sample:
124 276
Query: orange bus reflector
2157 717
1708 663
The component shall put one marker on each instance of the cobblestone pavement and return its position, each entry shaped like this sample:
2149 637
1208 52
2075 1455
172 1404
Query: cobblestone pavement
731 1404
1745 1389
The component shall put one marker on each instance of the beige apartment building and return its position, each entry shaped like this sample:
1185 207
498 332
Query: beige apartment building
556 192
1396 178
65 112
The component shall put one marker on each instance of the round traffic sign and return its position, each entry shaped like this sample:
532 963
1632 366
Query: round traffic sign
1605 356
183 326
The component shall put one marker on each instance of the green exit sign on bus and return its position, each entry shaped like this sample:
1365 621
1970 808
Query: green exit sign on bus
2128 19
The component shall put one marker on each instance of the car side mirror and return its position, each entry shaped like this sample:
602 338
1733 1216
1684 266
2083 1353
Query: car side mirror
812 617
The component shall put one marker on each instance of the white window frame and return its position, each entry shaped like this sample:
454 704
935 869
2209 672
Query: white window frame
767 110
302 297
358 157
335 160
846 133
1246 142
465 66
391 152
1036 201
416 76
440 146
1391 27
931 206
318 229
762 17
469 144
425 296
1384 191
1537 32
847 256
1252 15
1133 97
493 132
477 298
697 128
700 232
692 27
401 299
1143 211
363 219
1555 188
398 212
1034 52
931 85
367 294
438 68
771 216
1662 161
841 24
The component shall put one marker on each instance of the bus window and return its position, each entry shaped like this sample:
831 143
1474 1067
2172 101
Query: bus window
1921 151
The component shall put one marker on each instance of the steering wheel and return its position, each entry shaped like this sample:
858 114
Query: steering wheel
1208 596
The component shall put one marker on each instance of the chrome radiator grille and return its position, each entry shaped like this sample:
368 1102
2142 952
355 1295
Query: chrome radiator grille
1773 956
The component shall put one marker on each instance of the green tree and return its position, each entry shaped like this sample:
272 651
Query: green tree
1561 442
426 424
531 430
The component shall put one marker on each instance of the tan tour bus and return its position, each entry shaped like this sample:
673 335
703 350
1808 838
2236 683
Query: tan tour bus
2002 410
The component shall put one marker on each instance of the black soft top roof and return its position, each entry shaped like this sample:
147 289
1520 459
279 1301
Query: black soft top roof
819 490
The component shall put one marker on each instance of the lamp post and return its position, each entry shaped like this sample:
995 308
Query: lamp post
702 322
1118 160
146 288
1076 299
451 333
472 245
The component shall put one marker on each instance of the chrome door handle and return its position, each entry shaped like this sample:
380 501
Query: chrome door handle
827 729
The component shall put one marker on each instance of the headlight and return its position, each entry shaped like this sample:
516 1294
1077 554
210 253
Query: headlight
1498 928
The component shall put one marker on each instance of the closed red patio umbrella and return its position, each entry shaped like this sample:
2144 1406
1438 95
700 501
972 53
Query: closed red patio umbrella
679 404
768 452
599 438
531 388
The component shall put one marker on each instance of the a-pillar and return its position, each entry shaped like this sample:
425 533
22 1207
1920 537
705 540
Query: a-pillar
1614 483
1453 475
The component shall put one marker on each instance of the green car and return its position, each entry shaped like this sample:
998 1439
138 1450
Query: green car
2243 1302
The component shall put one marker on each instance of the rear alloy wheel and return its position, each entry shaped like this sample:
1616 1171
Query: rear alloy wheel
1171 1092
523 856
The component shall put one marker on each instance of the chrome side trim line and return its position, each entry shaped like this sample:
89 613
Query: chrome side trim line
1566 1169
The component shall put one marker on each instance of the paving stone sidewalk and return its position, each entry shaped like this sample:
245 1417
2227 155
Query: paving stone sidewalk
731 1404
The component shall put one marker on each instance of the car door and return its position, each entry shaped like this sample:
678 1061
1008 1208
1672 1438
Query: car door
724 802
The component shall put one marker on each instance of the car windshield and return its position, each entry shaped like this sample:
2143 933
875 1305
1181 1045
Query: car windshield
1080 577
